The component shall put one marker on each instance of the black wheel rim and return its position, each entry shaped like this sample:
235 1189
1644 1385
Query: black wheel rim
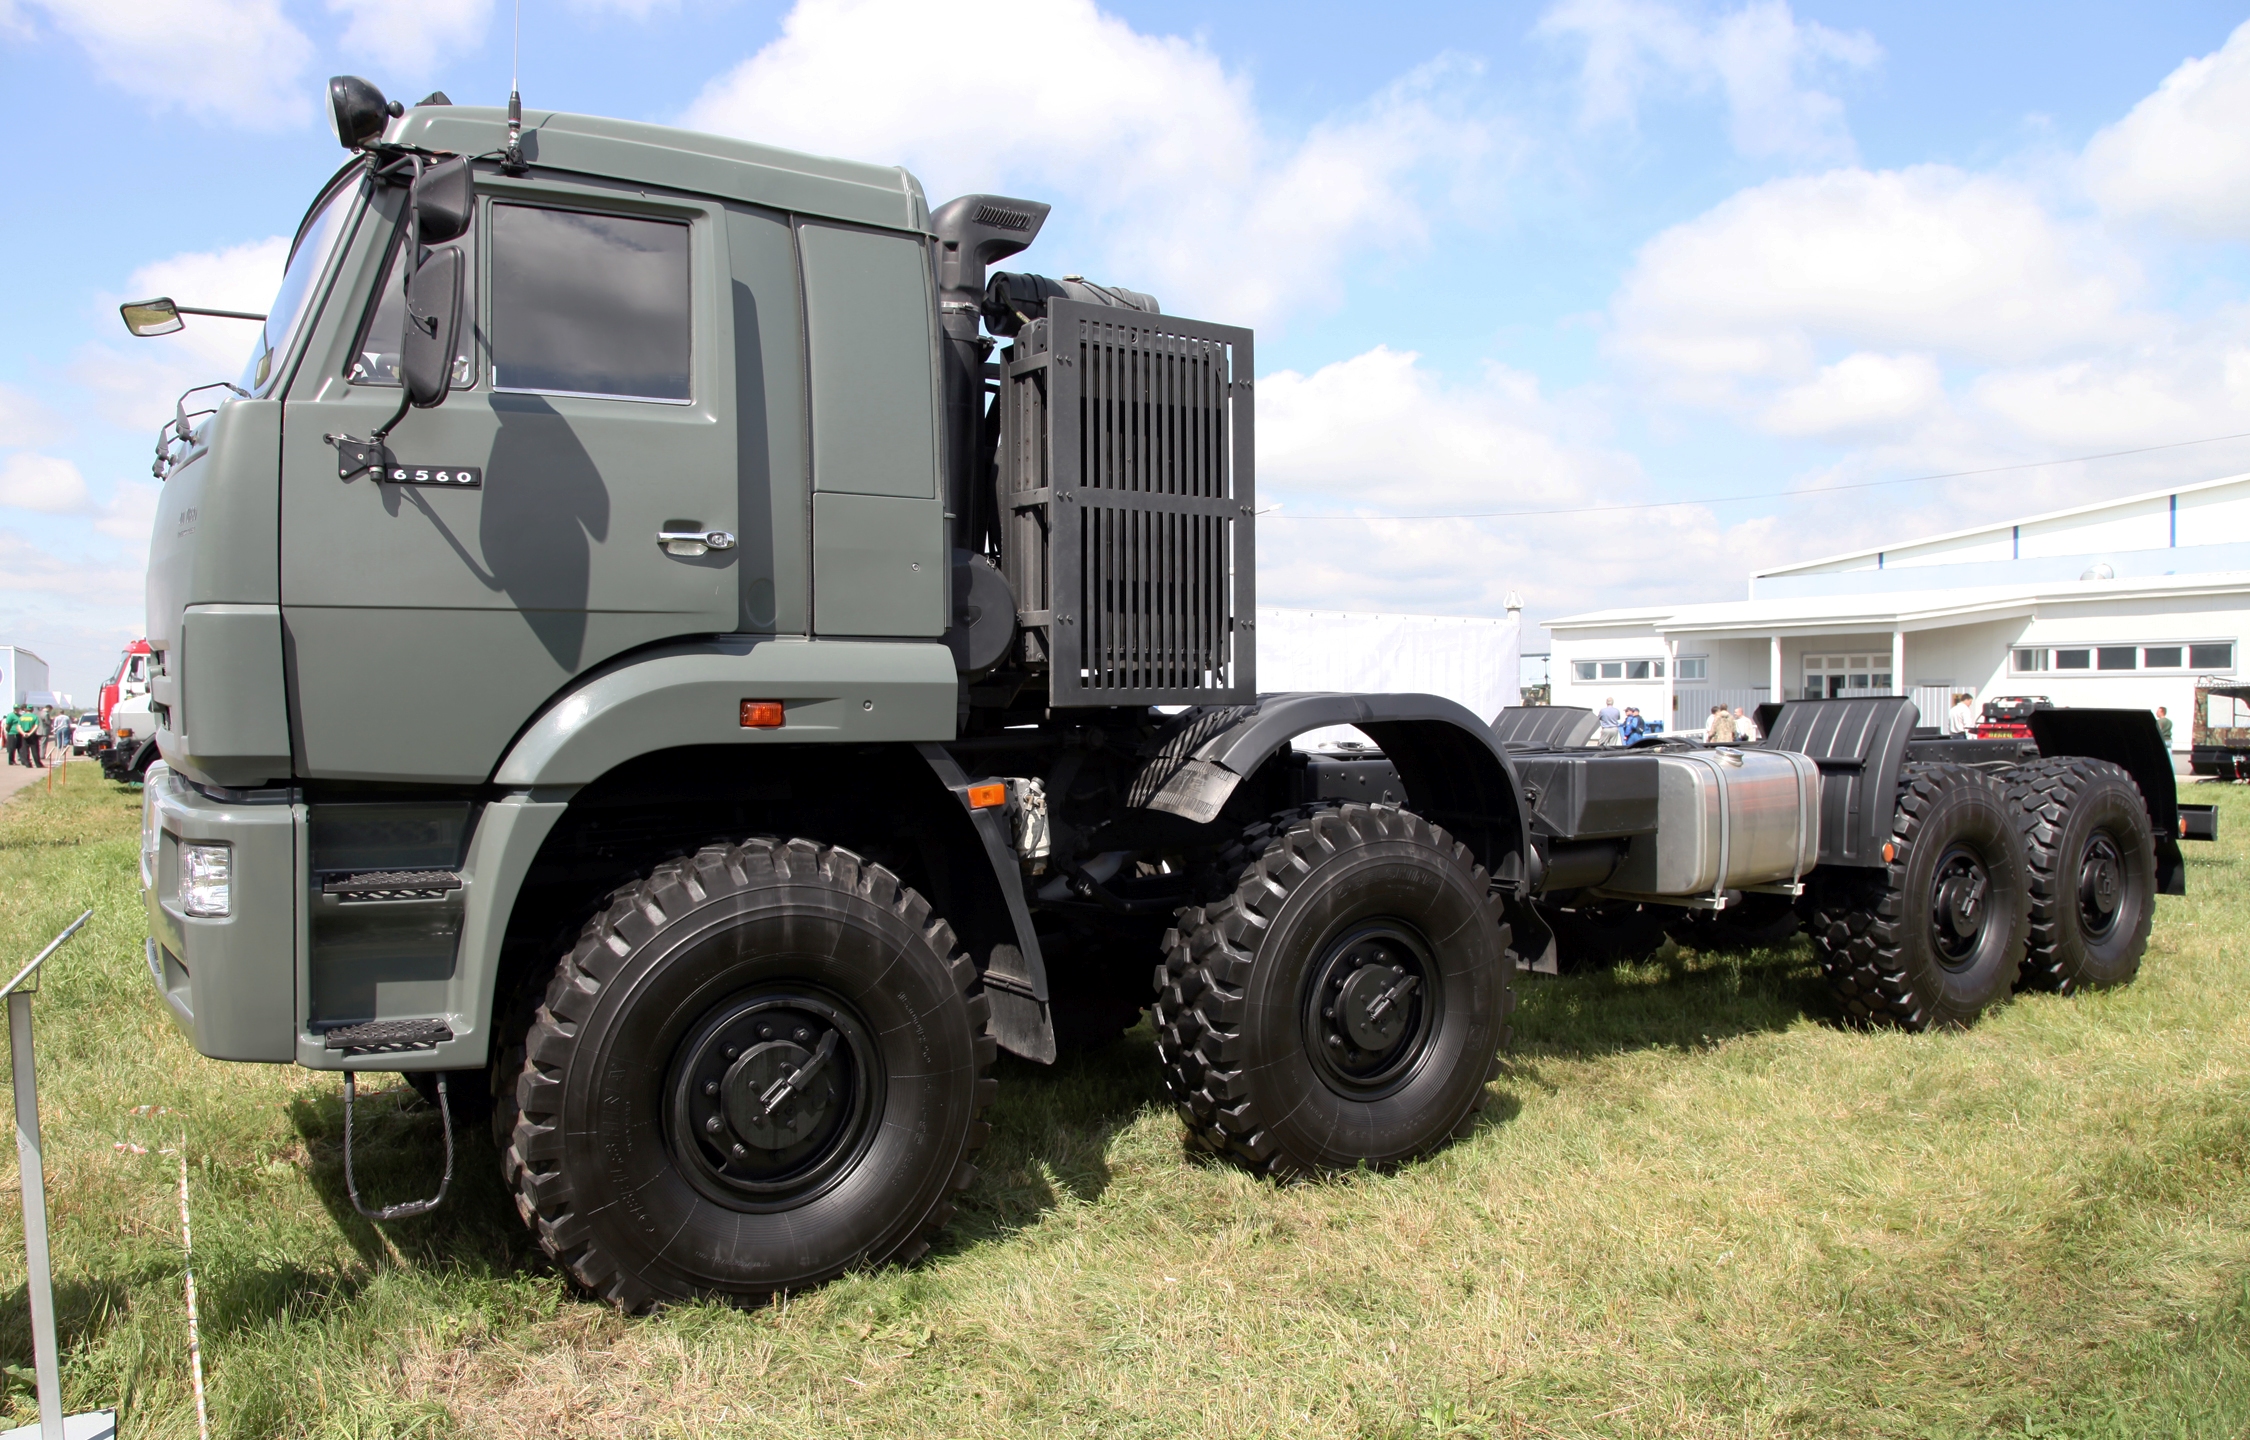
772 1097
2101 885
1960 908
1372 1003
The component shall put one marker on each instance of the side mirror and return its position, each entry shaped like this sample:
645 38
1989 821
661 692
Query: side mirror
146 318
443 200
433 327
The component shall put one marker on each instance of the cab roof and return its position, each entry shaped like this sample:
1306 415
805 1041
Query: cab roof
715 165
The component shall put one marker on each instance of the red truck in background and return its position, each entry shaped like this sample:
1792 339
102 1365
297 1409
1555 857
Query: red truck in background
2008 717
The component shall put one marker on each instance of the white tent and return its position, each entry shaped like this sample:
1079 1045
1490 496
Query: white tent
1472 659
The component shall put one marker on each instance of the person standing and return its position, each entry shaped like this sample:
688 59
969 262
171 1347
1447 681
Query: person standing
34 740
1632 727
1962 718
2164 726
58 735
19 727
1745 727
1611 718
1720 730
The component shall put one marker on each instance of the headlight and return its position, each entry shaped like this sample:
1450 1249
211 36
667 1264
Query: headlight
151 831
206 875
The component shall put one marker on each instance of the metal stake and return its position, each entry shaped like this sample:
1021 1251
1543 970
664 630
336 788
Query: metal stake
33 1175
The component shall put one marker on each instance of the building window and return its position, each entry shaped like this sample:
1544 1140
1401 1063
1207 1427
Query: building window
1694 667
1582 669
1613 669
2116 658
1636 669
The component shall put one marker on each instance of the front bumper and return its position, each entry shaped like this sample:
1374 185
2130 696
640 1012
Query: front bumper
230 981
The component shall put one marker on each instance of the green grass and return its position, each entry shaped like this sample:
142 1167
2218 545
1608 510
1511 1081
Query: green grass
1697 1207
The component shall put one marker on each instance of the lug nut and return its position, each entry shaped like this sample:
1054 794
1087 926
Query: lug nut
765 1032
732 1052
710 1087
740 1153
1328 1013
712 1125
1335 1042
802 1035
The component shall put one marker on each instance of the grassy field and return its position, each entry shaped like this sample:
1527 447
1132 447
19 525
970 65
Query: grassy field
1696 1207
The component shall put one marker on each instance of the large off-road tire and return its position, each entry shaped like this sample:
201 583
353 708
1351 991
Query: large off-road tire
1755 922
1935 935
1344 1003
2092 856
655 1151
1603 933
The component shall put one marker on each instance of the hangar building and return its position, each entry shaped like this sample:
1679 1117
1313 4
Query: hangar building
2125 603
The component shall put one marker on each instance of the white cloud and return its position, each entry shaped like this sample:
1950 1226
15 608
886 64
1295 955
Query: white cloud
1762 58
1380 432
2182 155
1152 148
1861 391
30 481
410 35
238 60
26 419
1929 258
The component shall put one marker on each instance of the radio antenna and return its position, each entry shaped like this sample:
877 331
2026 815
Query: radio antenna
513 163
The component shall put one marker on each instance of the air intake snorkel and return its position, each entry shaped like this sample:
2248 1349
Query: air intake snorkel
972 232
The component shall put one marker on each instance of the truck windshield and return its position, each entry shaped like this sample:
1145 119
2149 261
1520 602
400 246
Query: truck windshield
291 301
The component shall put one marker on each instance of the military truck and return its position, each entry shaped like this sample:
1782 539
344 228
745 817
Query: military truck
849 673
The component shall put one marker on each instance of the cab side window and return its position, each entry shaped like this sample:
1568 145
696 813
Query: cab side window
375 357
589 304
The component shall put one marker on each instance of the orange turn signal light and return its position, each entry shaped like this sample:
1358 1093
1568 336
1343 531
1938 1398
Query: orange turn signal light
1890 852
987 797
761 715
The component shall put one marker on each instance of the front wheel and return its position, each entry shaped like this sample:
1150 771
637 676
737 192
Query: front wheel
757 1068
1344 1003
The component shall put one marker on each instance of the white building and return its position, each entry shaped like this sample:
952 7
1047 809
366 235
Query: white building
22 675
2120 604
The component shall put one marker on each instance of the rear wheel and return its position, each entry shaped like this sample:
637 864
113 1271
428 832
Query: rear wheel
1344 1003
757 1068
1936 935
2092 857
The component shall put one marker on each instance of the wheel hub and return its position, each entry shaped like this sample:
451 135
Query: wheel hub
1958 904
770 1095
2101 884
1369 1010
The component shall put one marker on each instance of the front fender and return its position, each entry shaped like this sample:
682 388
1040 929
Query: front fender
832 691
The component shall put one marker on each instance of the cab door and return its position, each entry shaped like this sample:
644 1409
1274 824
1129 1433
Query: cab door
427 620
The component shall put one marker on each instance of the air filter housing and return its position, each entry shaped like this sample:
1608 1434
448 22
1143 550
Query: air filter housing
1125 496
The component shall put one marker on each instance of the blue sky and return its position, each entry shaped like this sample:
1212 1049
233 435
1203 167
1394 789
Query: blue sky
1567 255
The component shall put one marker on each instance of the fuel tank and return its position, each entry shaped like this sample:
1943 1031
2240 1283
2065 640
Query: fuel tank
1725 818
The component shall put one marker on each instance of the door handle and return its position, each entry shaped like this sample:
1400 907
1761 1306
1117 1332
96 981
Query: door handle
690 543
